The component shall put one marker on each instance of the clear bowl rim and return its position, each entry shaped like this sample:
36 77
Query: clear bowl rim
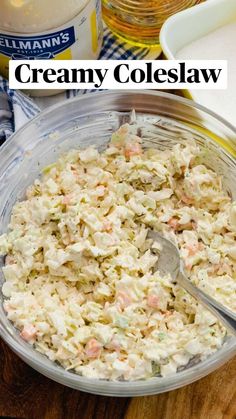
120 388
171 96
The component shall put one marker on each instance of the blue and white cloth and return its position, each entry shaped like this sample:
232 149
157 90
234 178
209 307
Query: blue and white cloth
16 108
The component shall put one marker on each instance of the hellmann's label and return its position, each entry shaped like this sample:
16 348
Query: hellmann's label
79 39
45 46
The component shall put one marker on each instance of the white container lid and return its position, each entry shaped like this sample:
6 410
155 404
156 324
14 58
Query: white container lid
33 16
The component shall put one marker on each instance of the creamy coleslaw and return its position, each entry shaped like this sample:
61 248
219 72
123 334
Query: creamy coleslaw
80 283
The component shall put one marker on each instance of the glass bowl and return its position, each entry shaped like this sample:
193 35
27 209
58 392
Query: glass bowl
140 21
161 119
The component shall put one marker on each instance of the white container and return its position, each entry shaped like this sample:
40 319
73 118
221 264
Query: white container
192 24
55 29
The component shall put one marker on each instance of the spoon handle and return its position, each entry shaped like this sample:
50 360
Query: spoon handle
227 317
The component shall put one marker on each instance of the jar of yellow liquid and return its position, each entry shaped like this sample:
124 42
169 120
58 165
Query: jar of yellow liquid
140 21
49 29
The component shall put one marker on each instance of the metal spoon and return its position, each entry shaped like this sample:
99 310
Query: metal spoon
169 262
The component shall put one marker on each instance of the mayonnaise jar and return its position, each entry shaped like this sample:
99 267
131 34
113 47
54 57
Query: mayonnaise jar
55 29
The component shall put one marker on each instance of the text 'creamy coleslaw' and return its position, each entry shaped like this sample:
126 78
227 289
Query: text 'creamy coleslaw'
79 278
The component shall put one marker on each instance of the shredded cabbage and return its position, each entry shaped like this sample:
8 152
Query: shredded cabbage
79 280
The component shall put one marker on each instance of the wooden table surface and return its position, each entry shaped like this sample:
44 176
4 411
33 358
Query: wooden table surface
26 394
